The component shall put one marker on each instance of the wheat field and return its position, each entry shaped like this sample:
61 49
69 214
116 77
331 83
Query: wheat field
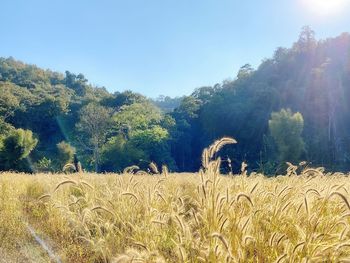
204 217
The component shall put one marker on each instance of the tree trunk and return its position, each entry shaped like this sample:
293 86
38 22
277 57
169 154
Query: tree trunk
96 157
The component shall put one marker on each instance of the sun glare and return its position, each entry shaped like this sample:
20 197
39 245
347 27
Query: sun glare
326 7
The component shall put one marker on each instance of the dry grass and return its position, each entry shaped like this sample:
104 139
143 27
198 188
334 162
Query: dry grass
179 218
202 217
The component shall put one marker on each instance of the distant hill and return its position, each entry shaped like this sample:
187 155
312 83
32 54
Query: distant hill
52 105
311 77
167 104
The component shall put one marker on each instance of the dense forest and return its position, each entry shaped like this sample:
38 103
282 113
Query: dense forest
293 107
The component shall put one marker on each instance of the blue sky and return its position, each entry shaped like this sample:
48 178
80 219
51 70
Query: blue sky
156 47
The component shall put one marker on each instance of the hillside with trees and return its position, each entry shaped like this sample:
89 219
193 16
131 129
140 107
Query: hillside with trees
293 107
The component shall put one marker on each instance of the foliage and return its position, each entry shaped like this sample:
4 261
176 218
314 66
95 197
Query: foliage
65 154
137 116
93 126
9 103
286 129
44 165
119 153
140 138
311 77
15 148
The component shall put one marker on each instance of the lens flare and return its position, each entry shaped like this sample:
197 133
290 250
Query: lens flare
326 7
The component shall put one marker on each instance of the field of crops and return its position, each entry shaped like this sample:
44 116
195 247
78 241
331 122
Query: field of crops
203 217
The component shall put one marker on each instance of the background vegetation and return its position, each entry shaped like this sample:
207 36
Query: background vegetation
46 117
302 216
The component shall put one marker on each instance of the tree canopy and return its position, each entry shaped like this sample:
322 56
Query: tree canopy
286 129
39 109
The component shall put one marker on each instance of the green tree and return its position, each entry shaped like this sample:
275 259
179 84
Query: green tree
8 101
93 125
118 153
44 165
245 71
286 129
140 136
5 128
307 41
185 135
15 148
140 115
154 143
65 154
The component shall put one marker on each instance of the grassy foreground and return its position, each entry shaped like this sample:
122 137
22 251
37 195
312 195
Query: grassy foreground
204 217
178 217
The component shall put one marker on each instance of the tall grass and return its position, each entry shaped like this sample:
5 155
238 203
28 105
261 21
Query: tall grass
203 217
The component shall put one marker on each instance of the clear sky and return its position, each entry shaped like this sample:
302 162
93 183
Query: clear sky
157 47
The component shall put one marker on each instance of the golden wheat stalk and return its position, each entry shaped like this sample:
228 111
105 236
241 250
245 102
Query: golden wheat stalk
280 258
65 182
131 169
241 195
342 197
217 145
69 166
103 209
165 170
130 194
154 168
44 196
223 241
209 153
